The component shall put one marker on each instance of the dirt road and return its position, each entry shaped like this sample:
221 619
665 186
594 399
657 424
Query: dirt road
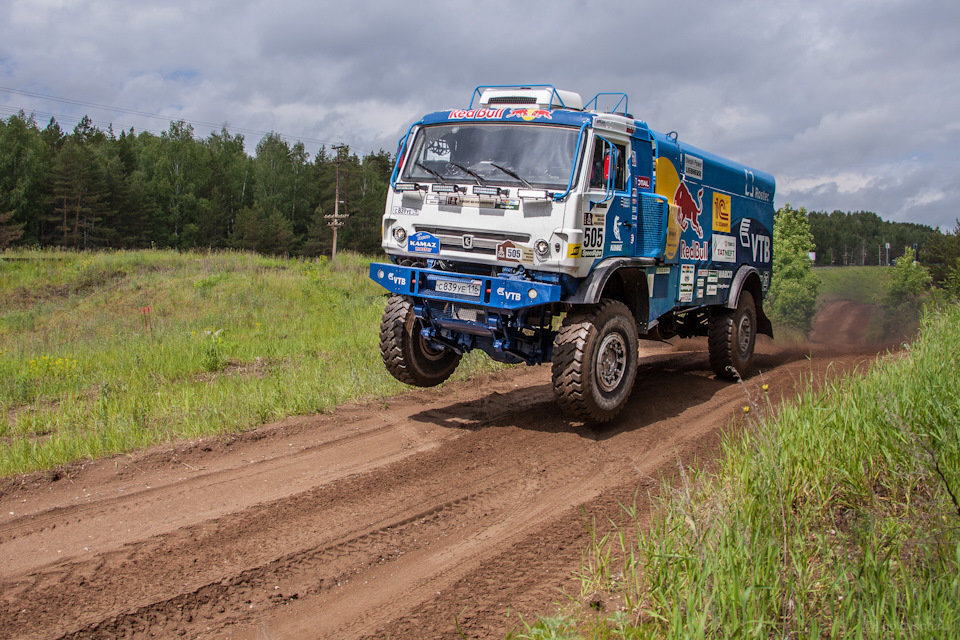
435 514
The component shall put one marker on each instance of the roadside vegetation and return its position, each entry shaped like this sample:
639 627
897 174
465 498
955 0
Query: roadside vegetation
837 516
102 353
866 285
792 299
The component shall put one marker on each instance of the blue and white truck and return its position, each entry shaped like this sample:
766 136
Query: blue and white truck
539 228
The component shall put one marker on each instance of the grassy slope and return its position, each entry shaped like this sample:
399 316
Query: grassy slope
230 341
860 284
835 518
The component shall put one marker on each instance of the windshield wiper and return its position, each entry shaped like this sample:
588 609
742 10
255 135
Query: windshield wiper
435 174
512 174
475 175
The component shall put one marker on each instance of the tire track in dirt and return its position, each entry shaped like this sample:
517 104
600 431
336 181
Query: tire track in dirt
431 515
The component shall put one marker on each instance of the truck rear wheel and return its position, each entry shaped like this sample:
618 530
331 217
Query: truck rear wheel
595 361
733 334
406 353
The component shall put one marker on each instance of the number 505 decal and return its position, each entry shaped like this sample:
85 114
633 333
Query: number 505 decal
592 242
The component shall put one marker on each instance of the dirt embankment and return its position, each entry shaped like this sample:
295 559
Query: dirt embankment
431 515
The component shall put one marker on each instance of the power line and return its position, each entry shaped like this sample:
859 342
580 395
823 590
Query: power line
148 114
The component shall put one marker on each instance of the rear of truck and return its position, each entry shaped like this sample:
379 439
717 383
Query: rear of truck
528 206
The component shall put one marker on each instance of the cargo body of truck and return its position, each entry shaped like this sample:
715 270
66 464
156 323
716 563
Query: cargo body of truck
537 228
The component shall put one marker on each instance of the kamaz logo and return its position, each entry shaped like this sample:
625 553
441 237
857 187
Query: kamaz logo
508 295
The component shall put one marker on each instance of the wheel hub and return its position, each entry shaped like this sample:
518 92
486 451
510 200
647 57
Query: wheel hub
611 362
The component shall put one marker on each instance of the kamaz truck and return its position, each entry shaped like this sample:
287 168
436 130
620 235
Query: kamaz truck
539 228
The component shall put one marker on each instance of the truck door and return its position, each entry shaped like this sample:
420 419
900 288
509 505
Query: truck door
609 219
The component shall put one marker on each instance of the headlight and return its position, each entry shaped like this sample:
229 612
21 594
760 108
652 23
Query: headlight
399 234
542 247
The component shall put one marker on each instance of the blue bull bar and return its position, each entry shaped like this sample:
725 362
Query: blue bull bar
502 293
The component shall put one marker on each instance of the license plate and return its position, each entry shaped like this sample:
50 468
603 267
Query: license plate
459 288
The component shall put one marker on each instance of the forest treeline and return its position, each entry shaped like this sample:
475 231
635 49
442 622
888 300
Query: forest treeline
90 189
861 238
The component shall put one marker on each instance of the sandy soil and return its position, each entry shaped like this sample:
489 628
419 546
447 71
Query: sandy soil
438 514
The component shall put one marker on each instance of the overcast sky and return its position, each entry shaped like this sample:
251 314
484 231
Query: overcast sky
851 105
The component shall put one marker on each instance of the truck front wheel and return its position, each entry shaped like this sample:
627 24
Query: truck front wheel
595 361
733 333
406 353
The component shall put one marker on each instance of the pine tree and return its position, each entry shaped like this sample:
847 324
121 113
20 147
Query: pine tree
10 232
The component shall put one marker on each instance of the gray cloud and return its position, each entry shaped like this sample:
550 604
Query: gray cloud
850 105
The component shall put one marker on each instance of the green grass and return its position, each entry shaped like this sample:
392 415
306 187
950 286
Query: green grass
102 353
866 285
837 517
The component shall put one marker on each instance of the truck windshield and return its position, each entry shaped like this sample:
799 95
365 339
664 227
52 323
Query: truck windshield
497 154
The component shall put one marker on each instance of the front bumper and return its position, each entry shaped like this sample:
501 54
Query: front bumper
502 293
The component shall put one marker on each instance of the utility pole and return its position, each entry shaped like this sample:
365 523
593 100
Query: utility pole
336 218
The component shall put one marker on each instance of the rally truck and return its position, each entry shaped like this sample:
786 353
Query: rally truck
539 228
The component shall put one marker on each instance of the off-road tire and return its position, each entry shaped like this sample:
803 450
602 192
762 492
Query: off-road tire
733 334
595 361
406 353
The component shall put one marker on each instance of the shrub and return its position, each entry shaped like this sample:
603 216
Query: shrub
905 296
792 299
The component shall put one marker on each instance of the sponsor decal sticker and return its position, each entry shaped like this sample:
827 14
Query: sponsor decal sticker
594 219
594 228
673 232
688 208
698 251
758 242
745 232
721 212
423 242
693 167
529 114
592 242
510 252
724 248
711 289
643 182
573 250
758 193
687 272
477 114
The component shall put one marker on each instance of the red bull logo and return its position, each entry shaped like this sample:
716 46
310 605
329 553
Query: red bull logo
530 114
688 208
476 114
